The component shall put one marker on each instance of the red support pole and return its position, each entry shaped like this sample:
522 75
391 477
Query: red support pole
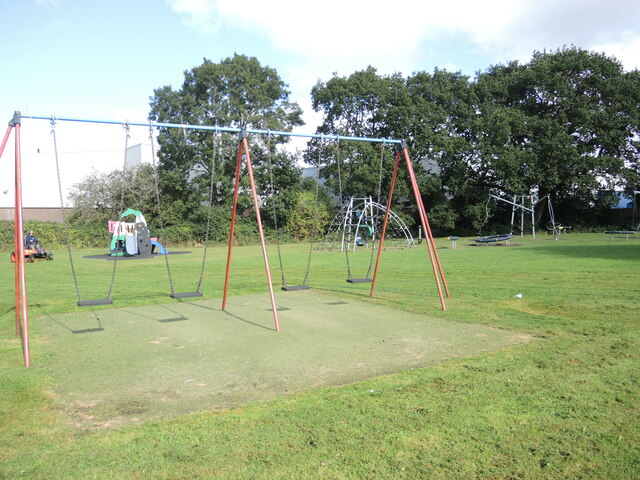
428 231
243 146
233 223
425 225
384 225
16 254
20 241
15 240
256 205
5 139
423 219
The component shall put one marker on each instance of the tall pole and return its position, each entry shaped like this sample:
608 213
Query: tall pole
21 304
522 216
534 201
433 255
256 206
513 211
243 147
431 246
15 238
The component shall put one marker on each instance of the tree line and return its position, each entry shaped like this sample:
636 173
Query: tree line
564 124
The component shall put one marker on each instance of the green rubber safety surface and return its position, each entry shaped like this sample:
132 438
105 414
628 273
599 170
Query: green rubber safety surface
115 367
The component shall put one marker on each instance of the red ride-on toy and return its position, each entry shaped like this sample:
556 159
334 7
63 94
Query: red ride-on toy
33 252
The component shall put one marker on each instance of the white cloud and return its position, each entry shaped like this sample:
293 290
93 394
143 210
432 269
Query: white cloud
347 32
200 14
627 50
344 36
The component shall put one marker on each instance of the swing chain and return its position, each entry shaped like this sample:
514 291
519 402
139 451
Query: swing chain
156 169
376 218
314 224
211 185
273 206
127 129
62 209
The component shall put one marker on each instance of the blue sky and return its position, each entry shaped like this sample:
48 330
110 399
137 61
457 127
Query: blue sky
103 59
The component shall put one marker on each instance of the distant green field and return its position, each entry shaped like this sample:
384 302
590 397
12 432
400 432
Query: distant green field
531 372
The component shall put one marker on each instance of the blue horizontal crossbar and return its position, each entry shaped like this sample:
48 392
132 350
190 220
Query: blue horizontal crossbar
216 128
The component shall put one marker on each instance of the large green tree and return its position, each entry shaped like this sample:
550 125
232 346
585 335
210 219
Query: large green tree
564 124
359 105
237 92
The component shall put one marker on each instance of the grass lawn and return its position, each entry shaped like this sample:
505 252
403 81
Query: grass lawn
501 385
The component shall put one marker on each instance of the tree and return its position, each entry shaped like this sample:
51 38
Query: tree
440 121
358 105
104 196
566 124
237 92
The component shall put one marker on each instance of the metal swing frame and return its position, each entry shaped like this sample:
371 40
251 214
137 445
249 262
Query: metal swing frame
243 156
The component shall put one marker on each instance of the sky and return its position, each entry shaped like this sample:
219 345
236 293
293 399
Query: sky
103 59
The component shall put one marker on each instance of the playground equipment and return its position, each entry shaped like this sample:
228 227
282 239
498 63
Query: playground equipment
358 222
272 193
525 204
132 238
243 156
453 239
505 237
625 233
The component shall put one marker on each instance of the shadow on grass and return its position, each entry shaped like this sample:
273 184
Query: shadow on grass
98 328
237 317
612 251
178 316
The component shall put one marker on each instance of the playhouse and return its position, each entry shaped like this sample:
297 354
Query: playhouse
133 238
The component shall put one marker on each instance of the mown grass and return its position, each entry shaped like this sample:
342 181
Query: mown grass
566 406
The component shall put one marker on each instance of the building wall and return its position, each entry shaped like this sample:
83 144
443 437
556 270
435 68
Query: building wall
37 214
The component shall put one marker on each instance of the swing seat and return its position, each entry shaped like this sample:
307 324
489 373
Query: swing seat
291 288
185 295
359 280
90 303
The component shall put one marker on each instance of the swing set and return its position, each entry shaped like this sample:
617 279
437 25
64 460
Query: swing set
243 157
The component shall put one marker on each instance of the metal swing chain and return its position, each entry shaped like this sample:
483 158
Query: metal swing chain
157 182
273 206
211 184
314 224
346 247
122 189
64 214
376 220
382 145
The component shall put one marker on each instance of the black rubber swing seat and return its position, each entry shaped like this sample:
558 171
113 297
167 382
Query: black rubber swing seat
359 280
90 303
292 288
186 295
